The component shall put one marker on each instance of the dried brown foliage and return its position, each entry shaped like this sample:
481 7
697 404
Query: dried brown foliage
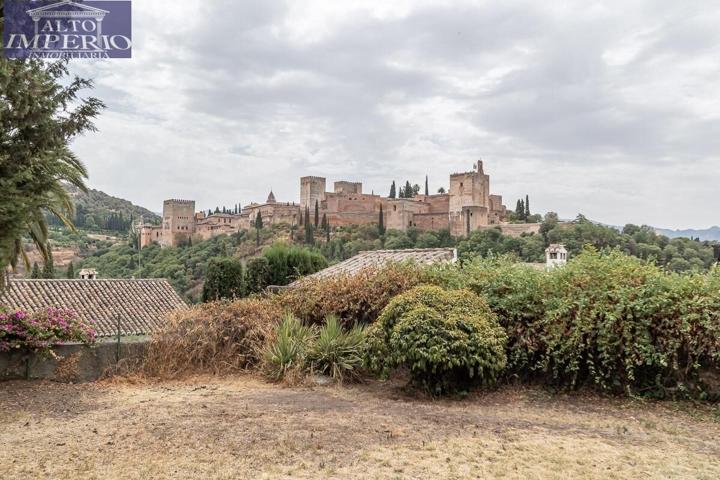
214 338
353 299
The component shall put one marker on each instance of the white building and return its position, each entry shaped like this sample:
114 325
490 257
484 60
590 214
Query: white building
555 255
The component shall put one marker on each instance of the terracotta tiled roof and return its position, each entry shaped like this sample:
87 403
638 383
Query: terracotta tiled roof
375 258
140 304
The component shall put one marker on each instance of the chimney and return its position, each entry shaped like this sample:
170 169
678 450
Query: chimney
88 274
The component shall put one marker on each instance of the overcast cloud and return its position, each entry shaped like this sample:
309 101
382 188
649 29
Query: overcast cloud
610 109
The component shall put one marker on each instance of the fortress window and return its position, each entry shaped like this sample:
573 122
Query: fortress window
461 184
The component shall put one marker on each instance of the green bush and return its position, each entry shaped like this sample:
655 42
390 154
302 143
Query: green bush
289 262
224 280
448 339
337 352
257 276
514 291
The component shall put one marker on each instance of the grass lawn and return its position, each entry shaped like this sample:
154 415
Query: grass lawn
242 427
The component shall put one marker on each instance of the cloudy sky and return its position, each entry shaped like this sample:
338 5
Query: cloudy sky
610 109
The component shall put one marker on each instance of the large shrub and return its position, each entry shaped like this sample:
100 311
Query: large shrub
217 337
448 339
258 275
41 330
514 291
621 324
289 262
224 280
354 299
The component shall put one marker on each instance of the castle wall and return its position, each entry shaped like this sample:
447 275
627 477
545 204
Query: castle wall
439 203
431 222
150 234
272 213
400 212
348 187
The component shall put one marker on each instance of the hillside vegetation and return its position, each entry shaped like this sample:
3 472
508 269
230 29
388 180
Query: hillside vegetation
98 211
185 266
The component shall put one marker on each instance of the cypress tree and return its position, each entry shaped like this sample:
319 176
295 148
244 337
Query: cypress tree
48 268
70 271
317 214
35 273
381 222
258 227
392 190
527 206
427 188
519 209
309 234
408 190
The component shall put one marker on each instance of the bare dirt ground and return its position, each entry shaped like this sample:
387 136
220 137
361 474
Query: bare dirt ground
242 427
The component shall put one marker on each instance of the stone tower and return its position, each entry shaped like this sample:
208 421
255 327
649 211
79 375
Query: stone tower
178 221
312 189
469 200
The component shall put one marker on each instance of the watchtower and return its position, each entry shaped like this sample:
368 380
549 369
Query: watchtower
312 189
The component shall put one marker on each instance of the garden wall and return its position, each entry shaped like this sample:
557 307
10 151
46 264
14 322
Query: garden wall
71 362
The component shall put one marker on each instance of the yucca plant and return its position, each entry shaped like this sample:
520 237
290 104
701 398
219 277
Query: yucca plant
336 352
287 351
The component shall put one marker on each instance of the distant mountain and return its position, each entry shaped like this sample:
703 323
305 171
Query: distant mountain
710 234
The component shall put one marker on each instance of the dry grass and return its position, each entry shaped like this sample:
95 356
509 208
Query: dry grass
218 337
245 428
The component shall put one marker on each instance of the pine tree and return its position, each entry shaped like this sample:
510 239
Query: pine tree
441 190
70 271
392 190
317 214
35 271
427 188
527 207
408 193
381 222
415 190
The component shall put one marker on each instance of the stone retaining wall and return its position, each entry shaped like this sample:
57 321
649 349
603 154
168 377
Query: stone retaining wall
71 362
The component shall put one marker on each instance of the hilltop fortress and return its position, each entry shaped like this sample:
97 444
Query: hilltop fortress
468 206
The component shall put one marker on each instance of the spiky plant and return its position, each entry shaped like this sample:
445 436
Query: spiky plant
337 352
287 350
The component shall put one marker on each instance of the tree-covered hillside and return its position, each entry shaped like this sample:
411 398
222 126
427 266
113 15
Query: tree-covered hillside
96 211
